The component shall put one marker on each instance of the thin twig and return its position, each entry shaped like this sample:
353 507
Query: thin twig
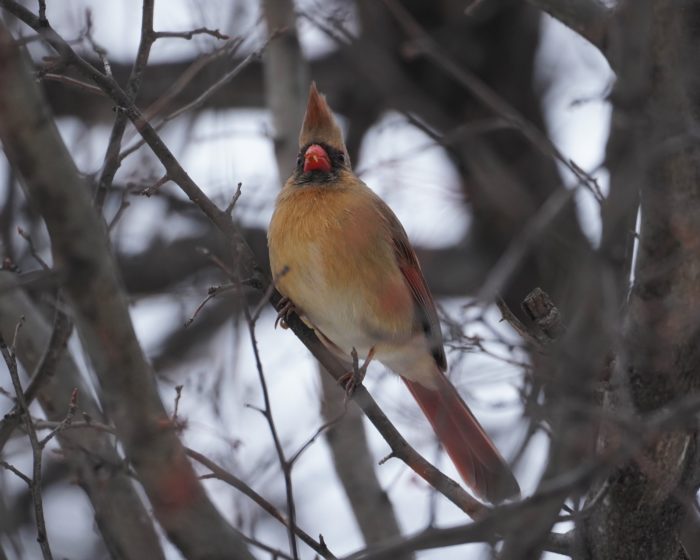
67 80
225 476
234 199
203 97
88 423
62 329
8 353
275 553
211 294
321 429
153 189
32 249
178 396
226 78
65 423
112 160
189 34
153 110
255 314
267 413
99 50
123 205
14 470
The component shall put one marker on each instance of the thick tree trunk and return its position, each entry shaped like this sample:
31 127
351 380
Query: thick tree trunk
655 105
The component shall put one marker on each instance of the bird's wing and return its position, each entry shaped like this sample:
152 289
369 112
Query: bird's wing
408 264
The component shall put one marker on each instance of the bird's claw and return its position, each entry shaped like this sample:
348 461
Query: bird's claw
285 310
352 379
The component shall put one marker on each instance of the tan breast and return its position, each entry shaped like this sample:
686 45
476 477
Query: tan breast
342 271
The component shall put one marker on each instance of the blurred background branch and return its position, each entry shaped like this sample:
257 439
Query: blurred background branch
462 121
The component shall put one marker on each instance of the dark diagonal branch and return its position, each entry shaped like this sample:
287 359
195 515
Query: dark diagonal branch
225 476
400 448
488 529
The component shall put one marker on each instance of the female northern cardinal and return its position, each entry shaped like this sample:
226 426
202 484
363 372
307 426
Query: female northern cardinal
343 261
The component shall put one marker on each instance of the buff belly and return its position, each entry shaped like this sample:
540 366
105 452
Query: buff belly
341 272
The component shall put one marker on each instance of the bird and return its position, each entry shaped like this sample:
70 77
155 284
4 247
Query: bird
343 262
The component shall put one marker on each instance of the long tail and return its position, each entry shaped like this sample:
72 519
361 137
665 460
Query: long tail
477 460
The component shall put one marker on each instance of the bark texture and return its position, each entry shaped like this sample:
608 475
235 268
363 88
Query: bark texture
655 104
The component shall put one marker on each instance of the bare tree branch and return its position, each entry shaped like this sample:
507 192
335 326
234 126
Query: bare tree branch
111 159
90 454
487 529
225 476
8 353
285 464
94 290
46 368
189 34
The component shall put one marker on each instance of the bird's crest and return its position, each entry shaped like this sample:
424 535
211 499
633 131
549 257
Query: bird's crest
319 125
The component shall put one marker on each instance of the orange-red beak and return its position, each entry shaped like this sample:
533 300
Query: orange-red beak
316 159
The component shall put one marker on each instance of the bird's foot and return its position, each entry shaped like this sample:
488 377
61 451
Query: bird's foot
354 378
285 310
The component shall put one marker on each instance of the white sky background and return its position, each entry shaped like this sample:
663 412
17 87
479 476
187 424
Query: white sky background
420 185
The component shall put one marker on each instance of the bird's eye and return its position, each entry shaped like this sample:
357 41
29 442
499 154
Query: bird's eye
341 158
298 160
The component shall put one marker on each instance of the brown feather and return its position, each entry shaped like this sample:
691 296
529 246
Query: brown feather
410 268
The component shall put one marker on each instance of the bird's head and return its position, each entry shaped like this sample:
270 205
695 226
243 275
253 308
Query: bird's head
322 152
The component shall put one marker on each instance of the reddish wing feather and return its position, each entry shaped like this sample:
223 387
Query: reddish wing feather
408 264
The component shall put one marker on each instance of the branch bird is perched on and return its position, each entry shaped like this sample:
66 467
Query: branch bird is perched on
342 259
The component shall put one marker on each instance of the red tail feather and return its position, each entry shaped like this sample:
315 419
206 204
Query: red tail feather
473 453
